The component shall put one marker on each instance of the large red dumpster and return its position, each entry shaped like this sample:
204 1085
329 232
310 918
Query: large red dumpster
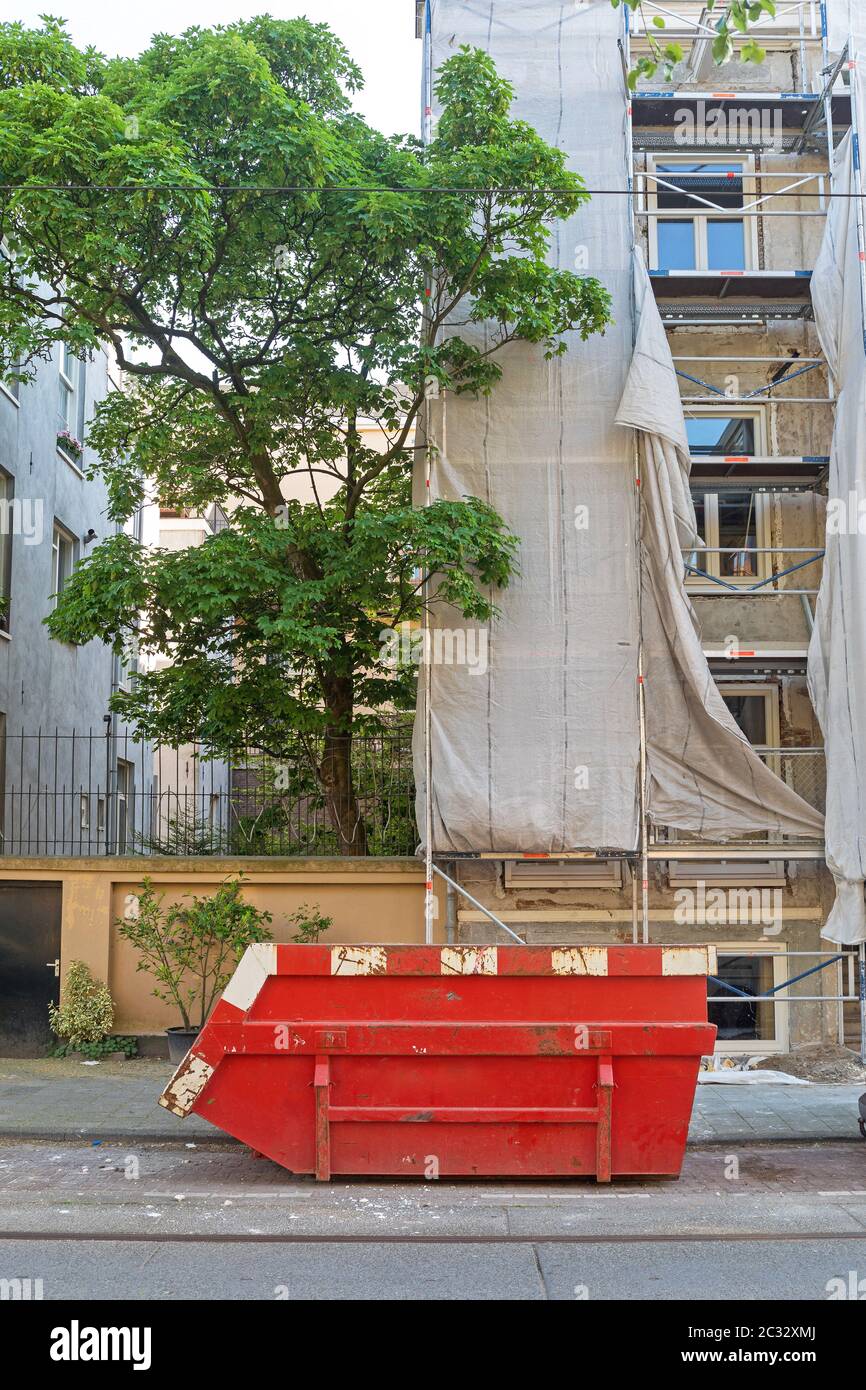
456 1061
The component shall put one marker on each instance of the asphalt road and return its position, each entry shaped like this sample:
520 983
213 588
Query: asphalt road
164 1223
694 1271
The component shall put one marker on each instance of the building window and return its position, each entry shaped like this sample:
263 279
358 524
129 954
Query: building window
723 434
70 411
126 665
685 234
735 528
7 527
747 1025
67 414
9 387
124 804
756 711
755 708
83 811
732 525
62 561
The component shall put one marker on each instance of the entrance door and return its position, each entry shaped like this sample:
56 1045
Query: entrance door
29 946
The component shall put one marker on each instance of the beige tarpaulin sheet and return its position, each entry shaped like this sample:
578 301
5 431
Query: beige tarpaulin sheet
703 775
535 744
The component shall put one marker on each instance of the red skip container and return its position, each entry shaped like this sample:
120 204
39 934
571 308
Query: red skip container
456 1061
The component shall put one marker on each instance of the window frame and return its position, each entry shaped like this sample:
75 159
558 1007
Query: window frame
781 1021
70 389
124 800
727 873
734 411
71 402
712 563
772 722
127 666
7 540
701 214
60 536
10 389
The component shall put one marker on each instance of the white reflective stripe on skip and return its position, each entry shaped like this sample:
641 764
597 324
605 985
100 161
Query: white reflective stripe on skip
687 960
256 964
469 960
579 960
358 960
187 1084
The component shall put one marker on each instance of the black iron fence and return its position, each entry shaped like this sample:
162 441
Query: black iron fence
94 793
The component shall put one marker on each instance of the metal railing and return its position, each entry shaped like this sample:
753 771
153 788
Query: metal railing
94 793
745 567
803 769
763 1012
89 793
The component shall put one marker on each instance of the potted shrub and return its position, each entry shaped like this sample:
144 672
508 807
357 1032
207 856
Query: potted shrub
85 1017
191 950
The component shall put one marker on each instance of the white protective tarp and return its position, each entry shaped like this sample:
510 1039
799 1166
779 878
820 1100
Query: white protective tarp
845 18
703 775
534 742
837 651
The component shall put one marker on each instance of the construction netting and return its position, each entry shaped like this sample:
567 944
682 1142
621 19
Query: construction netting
536 747
704 777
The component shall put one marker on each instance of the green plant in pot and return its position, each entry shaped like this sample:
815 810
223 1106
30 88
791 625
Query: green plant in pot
191 949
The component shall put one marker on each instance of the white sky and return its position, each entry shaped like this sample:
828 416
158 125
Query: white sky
379 34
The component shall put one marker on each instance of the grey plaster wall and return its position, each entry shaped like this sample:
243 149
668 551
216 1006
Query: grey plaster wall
49 689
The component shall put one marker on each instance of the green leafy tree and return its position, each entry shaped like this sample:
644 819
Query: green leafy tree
272 273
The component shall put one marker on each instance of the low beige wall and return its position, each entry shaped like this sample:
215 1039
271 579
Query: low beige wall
369 899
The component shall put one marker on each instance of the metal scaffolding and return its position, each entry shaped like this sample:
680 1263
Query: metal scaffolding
789 124
803 120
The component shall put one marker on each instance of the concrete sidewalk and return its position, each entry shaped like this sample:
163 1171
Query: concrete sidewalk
117 1101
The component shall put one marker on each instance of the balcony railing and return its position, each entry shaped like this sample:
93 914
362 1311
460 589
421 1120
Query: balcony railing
93 794
743 579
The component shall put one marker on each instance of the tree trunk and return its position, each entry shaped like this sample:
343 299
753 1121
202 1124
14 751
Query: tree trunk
335 771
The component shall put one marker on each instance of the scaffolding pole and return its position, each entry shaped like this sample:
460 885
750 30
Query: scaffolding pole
856 116
642 799
429 898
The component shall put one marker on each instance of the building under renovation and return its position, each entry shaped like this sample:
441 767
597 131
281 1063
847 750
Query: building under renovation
666 740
